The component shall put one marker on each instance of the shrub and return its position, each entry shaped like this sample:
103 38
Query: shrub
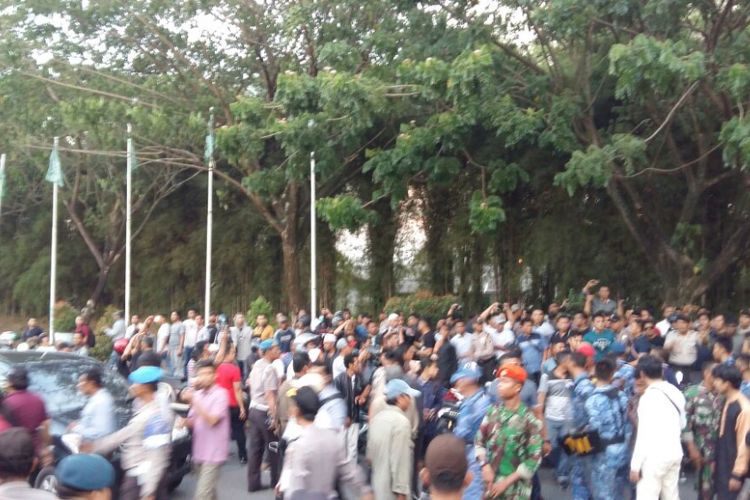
65 317
259 306
421 303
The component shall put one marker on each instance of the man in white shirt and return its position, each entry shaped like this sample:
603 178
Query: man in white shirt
655 465
665 325
188 340
118 327
462 343
162 334
98 416
134 327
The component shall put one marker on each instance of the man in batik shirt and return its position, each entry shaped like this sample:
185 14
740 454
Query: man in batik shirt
702 410
509 441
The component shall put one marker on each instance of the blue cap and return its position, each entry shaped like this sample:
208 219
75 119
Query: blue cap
468 371
397 387
267 344
84 472
617 348
145 375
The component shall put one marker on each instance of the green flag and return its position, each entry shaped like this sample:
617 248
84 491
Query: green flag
54 172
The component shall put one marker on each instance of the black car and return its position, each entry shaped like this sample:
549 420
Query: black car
54 376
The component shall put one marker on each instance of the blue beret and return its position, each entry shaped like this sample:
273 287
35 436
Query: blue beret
617 348
267 344
145 375
469 372
85 472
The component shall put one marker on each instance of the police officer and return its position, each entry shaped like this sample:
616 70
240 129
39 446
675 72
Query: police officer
582 388
606 408
145 440
470 414
84 477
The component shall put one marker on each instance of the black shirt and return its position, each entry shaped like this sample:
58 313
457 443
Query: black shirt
428 340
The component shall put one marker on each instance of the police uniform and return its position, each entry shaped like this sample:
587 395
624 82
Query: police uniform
580 466
606 408
470 416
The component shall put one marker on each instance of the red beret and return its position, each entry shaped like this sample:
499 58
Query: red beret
514 372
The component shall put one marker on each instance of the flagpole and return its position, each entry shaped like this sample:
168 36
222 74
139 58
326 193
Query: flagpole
313 242
128 220
53 259
209 214
2 181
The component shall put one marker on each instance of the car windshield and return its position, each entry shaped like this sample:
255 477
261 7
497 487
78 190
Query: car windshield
56 381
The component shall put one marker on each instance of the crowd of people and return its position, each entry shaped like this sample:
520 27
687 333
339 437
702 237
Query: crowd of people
618 401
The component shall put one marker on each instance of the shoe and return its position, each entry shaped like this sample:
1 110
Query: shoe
243 460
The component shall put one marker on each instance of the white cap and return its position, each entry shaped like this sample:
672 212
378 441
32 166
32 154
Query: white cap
329 338
314 354
392 317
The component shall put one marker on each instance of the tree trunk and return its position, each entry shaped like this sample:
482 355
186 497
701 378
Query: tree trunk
292 285
382 240
437 214
326 266
101 284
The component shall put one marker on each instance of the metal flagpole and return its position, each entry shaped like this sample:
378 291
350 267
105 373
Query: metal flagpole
128 221
209 212
2 181
313 242
53 258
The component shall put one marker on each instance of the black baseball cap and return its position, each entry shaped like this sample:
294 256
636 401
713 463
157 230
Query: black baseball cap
306 400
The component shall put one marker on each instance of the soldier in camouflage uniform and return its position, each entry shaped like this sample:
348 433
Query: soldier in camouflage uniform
509 441
606 408
580 466
703 411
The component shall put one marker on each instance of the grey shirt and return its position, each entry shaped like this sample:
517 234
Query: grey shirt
263 378
558 391
176 331
608 307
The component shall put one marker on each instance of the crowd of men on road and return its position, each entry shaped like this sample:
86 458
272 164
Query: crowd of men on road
353 406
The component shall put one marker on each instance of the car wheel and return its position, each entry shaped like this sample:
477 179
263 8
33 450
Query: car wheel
46 480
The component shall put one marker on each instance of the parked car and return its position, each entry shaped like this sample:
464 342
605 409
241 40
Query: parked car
54 376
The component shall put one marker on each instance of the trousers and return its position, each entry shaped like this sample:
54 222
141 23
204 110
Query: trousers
260 437
238 431
580 477
659 481
208 478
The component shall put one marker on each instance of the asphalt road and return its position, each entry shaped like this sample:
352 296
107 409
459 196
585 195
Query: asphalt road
233 484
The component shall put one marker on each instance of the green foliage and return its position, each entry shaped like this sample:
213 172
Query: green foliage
257 307
421 303
343 212
65 317
735 134
485 212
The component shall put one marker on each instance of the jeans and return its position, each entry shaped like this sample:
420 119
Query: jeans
186 355
555 430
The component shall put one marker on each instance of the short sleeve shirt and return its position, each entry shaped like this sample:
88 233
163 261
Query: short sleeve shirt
263 378
226 375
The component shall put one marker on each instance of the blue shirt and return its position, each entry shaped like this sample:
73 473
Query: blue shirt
532 348
470 416
601 341
97 418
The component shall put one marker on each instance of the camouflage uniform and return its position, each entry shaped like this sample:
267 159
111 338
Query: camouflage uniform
624 377
703 411
580 466
607 411
511 441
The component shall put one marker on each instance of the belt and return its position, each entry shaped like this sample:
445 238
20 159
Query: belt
614 440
